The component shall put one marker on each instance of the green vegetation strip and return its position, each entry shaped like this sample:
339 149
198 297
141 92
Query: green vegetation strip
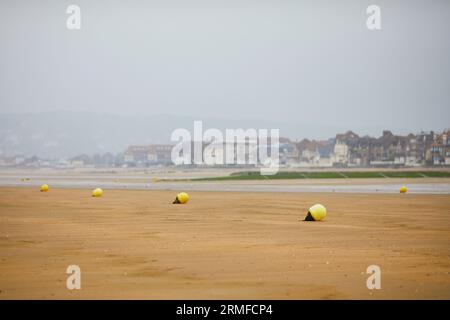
255 175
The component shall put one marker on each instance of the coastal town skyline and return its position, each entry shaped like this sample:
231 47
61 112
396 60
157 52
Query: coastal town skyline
346 149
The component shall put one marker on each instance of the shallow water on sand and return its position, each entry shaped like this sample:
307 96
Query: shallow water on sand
344 185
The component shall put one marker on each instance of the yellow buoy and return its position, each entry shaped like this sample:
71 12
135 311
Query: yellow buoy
316 213
403 189
44 188
181 198
97 192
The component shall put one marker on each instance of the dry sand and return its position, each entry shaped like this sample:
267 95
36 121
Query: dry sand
137 245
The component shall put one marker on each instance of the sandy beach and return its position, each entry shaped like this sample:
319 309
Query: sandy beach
134 244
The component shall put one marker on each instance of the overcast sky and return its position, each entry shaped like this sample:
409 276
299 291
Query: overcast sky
284 61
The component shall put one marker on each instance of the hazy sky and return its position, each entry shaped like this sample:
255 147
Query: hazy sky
291 61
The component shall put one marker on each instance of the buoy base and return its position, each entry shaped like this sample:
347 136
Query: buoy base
309 217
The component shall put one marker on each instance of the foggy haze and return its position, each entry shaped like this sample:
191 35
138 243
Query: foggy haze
311 68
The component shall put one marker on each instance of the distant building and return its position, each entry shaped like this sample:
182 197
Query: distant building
148 154
390 150
313 153
340 155
81 161
440 149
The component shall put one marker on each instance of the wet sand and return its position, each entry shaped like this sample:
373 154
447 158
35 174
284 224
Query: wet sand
134 244
153 179
147 182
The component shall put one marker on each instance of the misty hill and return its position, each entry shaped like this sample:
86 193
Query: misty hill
65 134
